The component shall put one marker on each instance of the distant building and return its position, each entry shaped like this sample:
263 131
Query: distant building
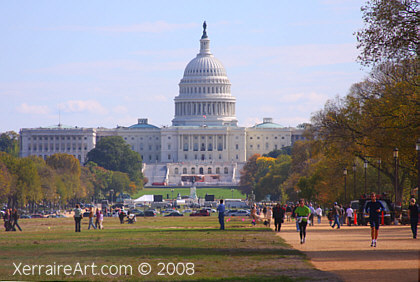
204 142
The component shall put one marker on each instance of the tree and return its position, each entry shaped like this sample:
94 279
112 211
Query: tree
68 171
9 143
248 173
391 31
115 154
5 182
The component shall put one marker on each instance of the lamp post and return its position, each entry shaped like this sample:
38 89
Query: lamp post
354 180
232 192
379 176
172 190
111 193
396 174
365 165
418 168
345 184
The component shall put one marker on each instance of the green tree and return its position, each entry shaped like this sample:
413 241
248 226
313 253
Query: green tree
113 153
9 143
5 182
248 173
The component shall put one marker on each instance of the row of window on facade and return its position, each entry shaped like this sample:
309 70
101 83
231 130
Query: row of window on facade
202 157
258 137
57 138
141 138
201 170
47 148
191 90
216 71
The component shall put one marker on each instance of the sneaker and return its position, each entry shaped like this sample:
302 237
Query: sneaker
303 240
374 244
371 244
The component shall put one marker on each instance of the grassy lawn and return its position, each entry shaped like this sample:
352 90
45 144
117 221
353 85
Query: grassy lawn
191 245
219 193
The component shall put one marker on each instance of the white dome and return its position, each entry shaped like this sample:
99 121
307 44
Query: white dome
204 92
204 65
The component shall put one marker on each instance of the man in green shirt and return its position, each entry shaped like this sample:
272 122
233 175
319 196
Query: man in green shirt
302 212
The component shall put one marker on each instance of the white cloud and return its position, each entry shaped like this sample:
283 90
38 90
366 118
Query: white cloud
33 109
77 106
147 27
120 110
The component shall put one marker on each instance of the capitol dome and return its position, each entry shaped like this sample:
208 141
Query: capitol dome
204 92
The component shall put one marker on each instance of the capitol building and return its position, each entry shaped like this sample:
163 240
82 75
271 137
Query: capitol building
204 143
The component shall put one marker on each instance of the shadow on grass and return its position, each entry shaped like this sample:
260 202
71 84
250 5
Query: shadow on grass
164 251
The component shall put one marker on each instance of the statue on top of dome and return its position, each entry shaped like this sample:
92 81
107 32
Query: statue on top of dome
204 30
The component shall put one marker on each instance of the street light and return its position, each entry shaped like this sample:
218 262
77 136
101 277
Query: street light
111 193
418 168
354 180
396 174
232 192
345 184
172 190
379 176
365 165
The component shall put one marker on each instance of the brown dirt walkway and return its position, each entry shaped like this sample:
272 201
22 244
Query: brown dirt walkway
346 252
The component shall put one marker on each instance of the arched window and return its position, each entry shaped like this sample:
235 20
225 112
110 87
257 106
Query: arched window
226 170
209 170
201 170
184 170
193 170
176 170
218 170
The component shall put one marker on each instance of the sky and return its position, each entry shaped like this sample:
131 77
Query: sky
108 63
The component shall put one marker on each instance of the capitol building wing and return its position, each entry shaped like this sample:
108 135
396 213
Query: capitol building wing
204 143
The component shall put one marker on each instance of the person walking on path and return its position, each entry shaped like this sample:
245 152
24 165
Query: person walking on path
311 216
278 215
318 212
269 215
254 215
77 217
336 214
413 210
349 213
294 217
374 209
15 217
302 212
91 216
100 220
221 210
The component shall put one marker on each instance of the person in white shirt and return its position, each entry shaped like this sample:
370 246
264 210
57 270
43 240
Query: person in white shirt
318 213
349 213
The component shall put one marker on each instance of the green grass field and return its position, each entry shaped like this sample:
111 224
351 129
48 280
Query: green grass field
219 193
183 248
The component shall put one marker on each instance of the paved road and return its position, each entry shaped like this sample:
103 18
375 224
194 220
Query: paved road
347 253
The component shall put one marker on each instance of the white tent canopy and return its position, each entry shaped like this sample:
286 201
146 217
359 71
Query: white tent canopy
145 198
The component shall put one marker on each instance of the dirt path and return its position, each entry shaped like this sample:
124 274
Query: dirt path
346 252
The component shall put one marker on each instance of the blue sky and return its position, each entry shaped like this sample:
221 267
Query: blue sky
107 63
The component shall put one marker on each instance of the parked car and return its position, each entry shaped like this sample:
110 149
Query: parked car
25 216
139 213
187 211
37 216
150 213
200 213
237 213
388 218
174 213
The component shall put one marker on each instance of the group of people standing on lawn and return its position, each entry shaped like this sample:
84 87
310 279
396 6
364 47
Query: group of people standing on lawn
78 216
10 218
